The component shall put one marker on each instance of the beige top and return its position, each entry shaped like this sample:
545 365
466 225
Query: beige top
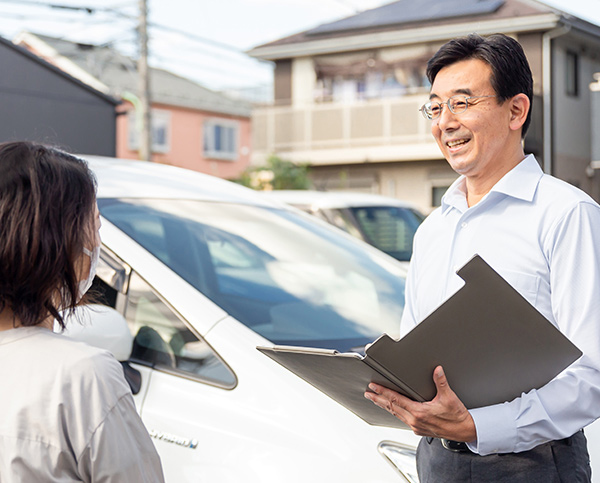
67 414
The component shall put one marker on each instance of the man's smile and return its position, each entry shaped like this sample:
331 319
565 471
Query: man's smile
457 142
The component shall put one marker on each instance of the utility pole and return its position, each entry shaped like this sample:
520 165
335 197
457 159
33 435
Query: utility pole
145 138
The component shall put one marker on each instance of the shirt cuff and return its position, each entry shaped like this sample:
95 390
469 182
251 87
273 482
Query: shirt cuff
496 430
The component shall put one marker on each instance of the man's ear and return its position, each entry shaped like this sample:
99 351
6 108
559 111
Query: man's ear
519 108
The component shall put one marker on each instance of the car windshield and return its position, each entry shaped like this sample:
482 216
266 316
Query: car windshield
389 228
291 279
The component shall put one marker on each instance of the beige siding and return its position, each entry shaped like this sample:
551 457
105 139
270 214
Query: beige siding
405 119
327 125
366 121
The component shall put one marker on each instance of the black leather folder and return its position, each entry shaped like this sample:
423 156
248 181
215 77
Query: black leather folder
491 342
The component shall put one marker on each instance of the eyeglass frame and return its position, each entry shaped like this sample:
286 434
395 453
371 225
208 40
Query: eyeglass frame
447 103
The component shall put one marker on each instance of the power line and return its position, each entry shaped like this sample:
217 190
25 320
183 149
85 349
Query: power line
161 44
196 65
71 10
115 11
20 16
197 38
89 11
59 6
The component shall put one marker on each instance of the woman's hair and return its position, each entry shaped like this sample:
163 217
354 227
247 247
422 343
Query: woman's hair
47 200
511 74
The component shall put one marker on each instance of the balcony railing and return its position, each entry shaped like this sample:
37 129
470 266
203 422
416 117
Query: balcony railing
341 126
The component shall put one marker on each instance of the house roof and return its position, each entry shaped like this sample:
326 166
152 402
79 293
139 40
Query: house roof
107 67
404 12
406 22
47 65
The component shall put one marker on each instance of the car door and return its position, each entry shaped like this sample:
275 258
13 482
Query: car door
187 379
110 288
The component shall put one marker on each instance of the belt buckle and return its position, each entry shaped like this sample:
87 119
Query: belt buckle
455 446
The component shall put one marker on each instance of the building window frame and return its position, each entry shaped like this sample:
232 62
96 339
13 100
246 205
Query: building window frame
437 189
161 131
220 139
572 73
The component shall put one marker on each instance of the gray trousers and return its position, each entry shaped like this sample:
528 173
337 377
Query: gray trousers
561 461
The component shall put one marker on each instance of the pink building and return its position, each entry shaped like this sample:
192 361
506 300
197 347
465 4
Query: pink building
192 126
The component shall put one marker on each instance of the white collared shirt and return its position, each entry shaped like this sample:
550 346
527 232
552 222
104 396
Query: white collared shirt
543 236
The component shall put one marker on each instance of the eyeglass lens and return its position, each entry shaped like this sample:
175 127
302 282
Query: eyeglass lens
457 105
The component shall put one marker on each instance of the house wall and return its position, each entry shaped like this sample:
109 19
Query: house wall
572 132
595 102
186 142
417 181
595 122
532 46
303 81
282 87
384 146
39 104
377 145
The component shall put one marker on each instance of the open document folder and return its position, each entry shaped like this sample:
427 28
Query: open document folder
491 342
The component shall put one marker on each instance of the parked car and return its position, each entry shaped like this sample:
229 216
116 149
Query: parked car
195 273
386 223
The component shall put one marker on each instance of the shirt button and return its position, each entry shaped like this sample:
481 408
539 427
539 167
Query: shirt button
463 224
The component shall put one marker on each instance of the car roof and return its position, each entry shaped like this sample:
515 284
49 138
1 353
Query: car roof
333 199
123 178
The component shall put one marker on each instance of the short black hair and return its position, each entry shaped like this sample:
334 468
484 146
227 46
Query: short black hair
511 74
47 200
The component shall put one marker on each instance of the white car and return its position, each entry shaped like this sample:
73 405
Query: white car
203 271
195 272
386 223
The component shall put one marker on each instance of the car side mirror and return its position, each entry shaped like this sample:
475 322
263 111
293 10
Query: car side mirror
103 327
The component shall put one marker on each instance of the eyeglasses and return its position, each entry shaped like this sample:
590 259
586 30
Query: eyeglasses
456 104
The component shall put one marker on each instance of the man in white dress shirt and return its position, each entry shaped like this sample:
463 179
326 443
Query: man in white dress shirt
542 235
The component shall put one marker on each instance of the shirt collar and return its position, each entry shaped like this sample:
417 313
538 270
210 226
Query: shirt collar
521 182
456 196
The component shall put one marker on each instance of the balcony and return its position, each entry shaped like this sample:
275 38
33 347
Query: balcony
376 130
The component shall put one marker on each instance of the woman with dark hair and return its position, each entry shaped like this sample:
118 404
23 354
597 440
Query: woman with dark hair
67 412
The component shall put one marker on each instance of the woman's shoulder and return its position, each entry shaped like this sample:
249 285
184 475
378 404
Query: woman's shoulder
80 364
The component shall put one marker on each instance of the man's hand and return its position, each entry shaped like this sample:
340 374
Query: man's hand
445 416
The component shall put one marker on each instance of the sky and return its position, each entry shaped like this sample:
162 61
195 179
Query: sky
204 40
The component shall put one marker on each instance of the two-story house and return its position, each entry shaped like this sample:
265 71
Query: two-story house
192 126
347 94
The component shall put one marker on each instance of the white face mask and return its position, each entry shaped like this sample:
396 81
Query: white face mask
84 285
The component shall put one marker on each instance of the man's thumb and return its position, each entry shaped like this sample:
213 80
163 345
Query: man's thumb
439 378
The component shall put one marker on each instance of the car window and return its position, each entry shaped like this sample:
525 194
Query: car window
293 281
389 228
162 340
342 219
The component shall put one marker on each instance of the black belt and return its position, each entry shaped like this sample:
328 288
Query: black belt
455 446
